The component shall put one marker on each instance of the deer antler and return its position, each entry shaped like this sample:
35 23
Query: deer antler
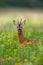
14 21
17 21
20 20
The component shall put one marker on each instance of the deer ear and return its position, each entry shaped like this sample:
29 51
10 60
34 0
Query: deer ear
14 22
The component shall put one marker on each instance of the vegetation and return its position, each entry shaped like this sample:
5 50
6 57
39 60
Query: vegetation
23 3
12 53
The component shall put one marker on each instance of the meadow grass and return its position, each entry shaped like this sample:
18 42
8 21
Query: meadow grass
11 53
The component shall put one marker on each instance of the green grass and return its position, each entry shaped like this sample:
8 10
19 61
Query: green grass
11 53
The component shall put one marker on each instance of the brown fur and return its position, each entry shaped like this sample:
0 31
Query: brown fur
24 40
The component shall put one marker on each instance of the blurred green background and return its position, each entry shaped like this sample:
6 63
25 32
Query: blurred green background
21 3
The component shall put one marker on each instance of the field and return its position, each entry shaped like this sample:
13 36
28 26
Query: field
11 53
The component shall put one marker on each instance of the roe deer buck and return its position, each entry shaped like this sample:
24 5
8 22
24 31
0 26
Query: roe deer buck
22 39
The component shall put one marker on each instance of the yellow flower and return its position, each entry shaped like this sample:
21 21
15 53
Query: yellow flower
8 40
4 33
9 58
28 43
34 58
2 45
3 37
26 60
17 58
18 63
0 38
10 43
15 49
15 41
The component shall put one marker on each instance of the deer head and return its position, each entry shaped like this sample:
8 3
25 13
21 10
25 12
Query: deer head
19 25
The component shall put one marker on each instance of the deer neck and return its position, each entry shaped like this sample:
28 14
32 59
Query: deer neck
20 35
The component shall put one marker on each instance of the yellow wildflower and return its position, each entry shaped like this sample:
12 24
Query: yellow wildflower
15 41
0 38
9 58
15 49
4 33
28 43
3 37
17 58
10 42
18 63
26 60
34 58
2 45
